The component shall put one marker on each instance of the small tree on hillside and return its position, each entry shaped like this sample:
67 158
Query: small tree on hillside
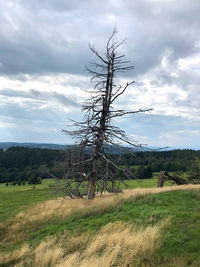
94 170
195 176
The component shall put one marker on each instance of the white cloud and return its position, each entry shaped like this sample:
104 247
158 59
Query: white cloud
42 57
190 63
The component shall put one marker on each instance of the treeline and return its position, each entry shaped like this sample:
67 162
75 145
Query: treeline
20 165
170 161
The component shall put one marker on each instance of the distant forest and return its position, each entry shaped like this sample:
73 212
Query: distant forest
20 165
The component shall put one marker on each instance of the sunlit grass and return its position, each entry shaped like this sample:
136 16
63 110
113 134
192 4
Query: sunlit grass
63 207
116 244
14 199
145 183
11 188
103 231
124 230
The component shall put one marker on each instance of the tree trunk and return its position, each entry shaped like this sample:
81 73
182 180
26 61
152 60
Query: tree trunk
92 185
91 189
161 179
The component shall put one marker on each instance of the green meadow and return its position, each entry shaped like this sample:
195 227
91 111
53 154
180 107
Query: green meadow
166 222
13 199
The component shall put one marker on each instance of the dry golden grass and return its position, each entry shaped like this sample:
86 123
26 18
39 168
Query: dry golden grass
117 244
15 255
65 207
76 243
47 253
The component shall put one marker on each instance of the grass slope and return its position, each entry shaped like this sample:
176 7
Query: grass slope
14 199
161 223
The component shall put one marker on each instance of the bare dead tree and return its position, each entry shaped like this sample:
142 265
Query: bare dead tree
94 169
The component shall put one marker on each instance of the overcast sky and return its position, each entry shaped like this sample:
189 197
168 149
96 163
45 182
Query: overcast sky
44 47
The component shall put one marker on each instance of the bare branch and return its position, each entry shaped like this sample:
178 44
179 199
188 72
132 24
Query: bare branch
118 93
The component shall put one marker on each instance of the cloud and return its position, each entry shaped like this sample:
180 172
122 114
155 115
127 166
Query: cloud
44 48
66 101
55 38
182 138
32 121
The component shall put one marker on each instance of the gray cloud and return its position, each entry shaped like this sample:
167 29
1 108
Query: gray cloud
13 93
32 94
160 130
51 37
66 100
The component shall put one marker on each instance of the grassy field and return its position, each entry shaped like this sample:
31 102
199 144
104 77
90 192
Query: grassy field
13 199
140 227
